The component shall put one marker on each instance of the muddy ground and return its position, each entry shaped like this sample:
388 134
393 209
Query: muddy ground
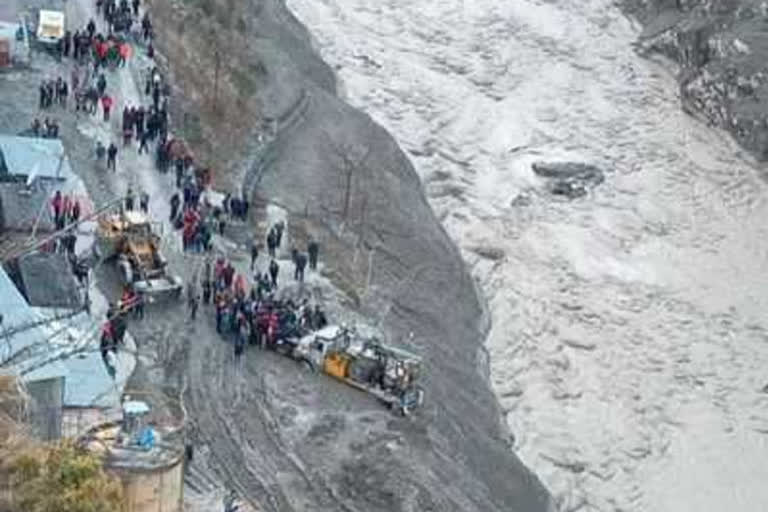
283 438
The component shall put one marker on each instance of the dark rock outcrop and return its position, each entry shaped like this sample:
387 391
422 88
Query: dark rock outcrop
569 179
720 46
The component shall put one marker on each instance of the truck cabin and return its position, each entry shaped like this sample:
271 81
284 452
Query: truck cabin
50 27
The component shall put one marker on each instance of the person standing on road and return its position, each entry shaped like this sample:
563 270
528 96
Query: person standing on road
76 211
206 291
272 242
144 202
67 42
254 253
175 203
274 269
112 157
129 198
193 301
239 346
301 262
313 249
143 139
106 104
101 84
57 203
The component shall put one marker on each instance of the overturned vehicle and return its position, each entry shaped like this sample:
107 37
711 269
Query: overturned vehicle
388 373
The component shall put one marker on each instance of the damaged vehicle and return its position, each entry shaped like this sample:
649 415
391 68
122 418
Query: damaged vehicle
390 374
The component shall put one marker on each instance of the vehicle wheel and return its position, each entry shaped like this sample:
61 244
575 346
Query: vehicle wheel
308 366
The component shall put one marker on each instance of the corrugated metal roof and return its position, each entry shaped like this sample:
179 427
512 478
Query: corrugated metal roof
48 281
22 207
86 380
16 313
35 157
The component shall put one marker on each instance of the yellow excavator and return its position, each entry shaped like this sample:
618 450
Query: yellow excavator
129 238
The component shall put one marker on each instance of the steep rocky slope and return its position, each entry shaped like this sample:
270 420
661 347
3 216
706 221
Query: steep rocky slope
720 46
261 108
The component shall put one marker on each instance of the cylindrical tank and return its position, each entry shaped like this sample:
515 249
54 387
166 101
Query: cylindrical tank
152 478
159 490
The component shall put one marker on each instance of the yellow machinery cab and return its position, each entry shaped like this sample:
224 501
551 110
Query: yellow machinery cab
336 364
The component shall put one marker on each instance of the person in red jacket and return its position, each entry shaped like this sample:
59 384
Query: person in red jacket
273 323
67 210
75 215
106 104
57 204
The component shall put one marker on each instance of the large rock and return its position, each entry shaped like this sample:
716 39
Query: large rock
569 179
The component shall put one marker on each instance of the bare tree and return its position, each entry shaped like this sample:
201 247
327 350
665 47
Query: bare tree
351 159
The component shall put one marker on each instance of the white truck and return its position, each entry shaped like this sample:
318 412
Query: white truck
50 27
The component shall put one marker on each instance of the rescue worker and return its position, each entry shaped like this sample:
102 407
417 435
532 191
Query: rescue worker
144 202
319 320
129 198
75 214
274 269
313 249
62 92
175 203
254 253
206 291
143 140
100 151
272 242
179 171
279 227
112 157
101 84
220 306
193 301
106 105
67 42
300 262
57 204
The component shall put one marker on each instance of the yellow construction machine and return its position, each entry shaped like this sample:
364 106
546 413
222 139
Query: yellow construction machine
389 373
130 237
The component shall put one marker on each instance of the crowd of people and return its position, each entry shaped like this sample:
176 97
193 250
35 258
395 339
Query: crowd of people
247 313
252 315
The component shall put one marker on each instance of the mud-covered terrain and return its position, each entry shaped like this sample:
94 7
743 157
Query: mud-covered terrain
295 441
720 47
283 438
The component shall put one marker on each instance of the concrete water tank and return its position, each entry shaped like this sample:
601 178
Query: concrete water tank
148 459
